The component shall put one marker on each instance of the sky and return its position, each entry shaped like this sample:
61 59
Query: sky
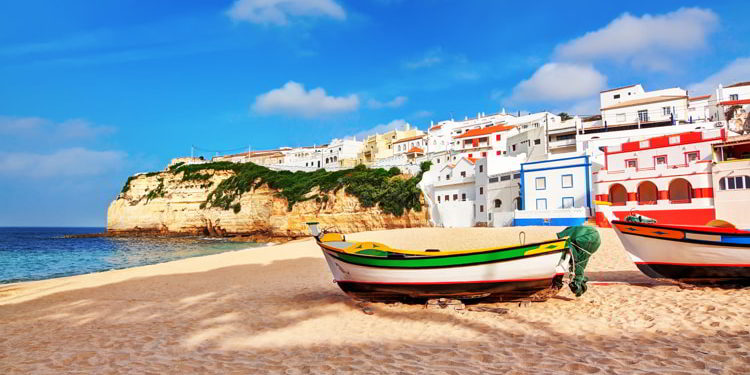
93 92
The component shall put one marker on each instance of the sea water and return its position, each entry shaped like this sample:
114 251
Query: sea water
43 253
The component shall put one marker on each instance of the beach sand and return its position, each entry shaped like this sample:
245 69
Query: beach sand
275 310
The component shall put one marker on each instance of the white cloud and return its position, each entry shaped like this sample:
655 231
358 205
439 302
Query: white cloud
38 127
559 82
430 58
737 71
74 161
292 99
650 41
394 103
280 11
382 128
422 114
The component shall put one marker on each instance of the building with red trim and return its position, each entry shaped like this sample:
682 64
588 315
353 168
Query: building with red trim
667 178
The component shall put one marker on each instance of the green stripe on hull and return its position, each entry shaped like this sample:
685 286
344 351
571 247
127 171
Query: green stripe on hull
436 261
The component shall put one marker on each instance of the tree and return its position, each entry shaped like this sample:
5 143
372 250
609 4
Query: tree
564 116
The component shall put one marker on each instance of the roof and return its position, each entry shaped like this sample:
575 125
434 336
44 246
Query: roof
409 139
485 131
738 84
699 97
735 102
618 88
415 150
737 140
436 127
472 160
655 99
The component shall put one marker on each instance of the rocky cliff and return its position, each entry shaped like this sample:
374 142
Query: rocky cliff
166 203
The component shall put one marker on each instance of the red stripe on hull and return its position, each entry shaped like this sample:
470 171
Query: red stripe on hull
693 216
696 264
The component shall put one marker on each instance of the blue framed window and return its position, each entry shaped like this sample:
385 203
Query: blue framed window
541 204
541 183
568 202
567 180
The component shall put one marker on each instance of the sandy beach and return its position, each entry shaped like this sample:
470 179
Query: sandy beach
275 310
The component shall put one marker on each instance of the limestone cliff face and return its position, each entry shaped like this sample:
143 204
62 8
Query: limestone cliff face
163 203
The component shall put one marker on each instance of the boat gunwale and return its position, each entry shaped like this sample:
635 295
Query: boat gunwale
328 251
422 257
684 239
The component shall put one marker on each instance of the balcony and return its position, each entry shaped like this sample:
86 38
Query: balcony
562 143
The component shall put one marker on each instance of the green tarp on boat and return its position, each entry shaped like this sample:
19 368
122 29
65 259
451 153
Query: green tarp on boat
583 242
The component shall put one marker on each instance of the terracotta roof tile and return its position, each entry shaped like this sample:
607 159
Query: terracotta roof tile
699 97
655 99
409 139
485 131
415 150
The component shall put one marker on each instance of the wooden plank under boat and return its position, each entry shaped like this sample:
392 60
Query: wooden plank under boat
374 271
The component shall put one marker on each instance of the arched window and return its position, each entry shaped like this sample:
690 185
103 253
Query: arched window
647 193
618 195
680 191
498 203
517 203
734 183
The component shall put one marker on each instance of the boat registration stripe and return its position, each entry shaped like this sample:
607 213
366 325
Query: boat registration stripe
735 239
703 237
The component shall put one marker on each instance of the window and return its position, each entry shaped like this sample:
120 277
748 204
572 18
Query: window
620 117
675 139
497 153
666 111
734 97
631 163
617 96
447 177
505 178
481 168
484 155
537 141
513 147
481 190
463 174
644 144
481 208
455 197
567 181
437 161
643 115
447 197
734 183
470 155
463 196
541 183
567 202
438 197
493 180
498 203
541 204
497 137
691 157
660 160
516 176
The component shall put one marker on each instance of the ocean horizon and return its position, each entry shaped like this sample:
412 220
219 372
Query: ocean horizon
38 253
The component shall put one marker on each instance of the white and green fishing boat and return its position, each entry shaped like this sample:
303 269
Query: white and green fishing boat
374 271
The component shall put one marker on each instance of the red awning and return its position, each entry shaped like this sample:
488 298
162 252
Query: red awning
736 102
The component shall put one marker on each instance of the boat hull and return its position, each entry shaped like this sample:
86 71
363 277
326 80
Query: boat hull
535 277
689 256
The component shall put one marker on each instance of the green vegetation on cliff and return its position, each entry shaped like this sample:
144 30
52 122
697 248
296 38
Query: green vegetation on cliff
386 189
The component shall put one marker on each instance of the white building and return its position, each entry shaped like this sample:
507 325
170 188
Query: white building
481 142
454 194
341 153
304 158
561 136
632 107
555 192
497 190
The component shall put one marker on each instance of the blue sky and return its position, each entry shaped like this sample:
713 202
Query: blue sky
92 92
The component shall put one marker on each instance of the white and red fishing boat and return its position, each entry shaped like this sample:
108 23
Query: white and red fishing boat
375 271
688 253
